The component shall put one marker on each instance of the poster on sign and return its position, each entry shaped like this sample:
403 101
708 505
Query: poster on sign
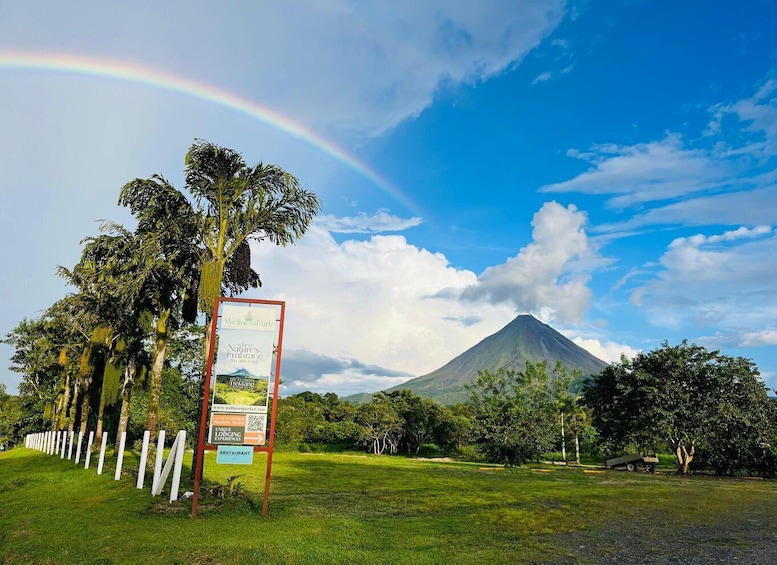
242 375
244 360
238 429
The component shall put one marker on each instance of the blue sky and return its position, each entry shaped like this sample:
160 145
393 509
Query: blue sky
606 166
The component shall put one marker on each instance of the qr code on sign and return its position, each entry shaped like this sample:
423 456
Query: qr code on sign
256 422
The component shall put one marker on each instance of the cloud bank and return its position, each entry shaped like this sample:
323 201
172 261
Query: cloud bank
385 311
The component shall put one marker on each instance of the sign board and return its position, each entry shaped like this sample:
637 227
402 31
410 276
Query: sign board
235 455
243 361
242 384
238 429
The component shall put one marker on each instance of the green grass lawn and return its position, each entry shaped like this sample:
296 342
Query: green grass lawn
344 508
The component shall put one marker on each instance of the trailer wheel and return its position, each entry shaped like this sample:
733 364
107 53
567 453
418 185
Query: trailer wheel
630 467
650 468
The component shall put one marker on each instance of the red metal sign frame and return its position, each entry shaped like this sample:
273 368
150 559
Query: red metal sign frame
206 397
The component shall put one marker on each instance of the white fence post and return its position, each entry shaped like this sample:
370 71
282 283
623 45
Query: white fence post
102 453
70 446
78 449
88 450
175 458
143 457
120 460
160 448
180 443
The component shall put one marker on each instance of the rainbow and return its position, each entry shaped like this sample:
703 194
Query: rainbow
131 72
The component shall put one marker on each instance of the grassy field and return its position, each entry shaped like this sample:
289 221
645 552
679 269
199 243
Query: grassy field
340 508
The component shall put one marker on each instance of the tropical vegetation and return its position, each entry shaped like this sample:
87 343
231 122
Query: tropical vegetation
123 352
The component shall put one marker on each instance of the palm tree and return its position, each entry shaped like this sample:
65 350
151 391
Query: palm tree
202 245
111 264
96 315
236 204
165 263
38 344
565 403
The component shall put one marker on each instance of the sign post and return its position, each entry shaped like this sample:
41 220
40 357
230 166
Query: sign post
250 338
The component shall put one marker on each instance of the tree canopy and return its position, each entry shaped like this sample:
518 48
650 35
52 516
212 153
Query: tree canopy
690 399
514 418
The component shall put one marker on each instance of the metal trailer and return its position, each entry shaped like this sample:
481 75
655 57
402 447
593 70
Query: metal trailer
634 461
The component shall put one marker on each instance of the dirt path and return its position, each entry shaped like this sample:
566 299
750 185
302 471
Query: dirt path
749 537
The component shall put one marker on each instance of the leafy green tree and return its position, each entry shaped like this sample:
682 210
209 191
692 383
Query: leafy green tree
382 423
35 357
419 418
236 204
10 419
743 438
179 391
513 414
47 355
109 290
454 427
686 397
297 418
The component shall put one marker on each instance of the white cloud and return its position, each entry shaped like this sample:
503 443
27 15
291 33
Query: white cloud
381 221
760 114
727 281
751 207
739 233
344 383
754 339
607 351
361 67
371 300
549 276
304 370
365 315
645 172
542 77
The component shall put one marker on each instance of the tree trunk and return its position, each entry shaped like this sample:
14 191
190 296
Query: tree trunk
62 414
563 441
126 394
209 321
684 456
71 418
85 407
98 434
577 449
155 386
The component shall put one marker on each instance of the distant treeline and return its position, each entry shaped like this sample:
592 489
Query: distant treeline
709 410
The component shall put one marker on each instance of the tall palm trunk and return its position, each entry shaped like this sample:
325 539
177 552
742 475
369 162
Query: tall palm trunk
85 406
158 363
71 418
577 449
209 321
98 434
126 395
61 420
563 440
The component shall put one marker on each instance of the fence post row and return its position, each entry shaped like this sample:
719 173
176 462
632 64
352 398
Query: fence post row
58 442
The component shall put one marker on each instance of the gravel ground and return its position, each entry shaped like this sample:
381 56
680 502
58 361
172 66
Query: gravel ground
748 538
